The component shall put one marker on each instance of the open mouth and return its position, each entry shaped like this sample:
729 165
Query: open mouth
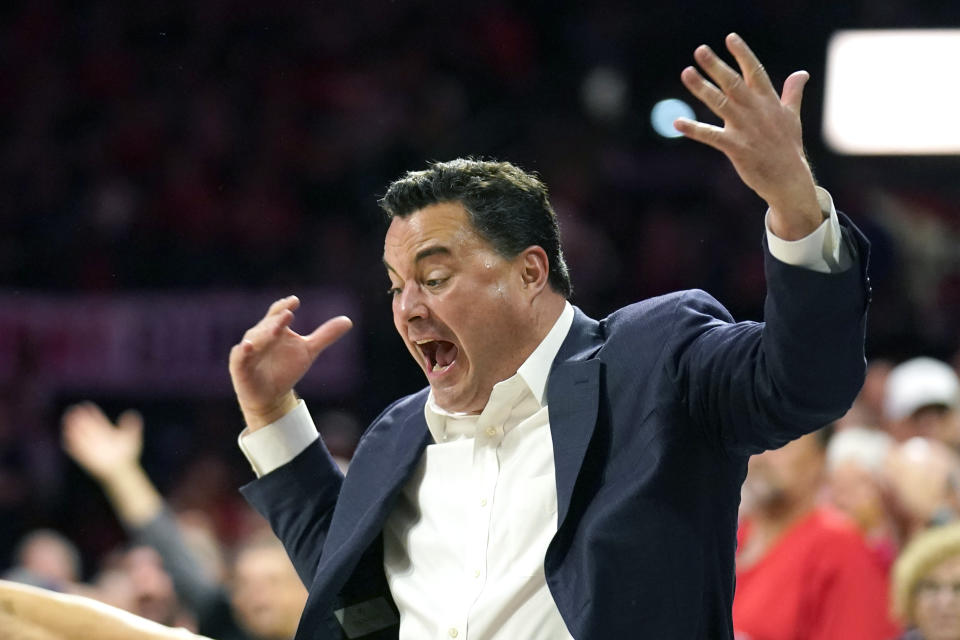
438 355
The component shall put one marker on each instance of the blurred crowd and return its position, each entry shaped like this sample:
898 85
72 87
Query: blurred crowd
854 531
173 568
226 144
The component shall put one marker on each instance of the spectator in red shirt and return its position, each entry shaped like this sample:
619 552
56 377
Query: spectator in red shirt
804 571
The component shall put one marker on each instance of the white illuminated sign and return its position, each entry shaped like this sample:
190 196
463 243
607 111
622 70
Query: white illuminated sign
893 92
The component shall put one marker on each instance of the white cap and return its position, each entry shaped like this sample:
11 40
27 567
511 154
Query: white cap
919 383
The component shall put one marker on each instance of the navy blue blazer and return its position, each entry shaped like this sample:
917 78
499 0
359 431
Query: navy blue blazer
654 412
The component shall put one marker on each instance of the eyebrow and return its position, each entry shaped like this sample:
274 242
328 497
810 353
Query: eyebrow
423 254
431 251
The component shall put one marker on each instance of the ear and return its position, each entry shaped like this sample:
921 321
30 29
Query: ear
534 269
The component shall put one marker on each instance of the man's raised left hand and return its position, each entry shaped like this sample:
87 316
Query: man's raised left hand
761 133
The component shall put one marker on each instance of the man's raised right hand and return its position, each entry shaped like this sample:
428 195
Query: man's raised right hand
271 358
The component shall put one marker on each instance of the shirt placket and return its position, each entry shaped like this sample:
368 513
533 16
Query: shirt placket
485 477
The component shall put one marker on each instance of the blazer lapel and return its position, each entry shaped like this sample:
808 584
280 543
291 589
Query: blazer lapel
388 456
390 452
573 396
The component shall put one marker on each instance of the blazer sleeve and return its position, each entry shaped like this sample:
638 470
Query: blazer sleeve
297 500
755 386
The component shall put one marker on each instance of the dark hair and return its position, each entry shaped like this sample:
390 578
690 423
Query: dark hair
507 206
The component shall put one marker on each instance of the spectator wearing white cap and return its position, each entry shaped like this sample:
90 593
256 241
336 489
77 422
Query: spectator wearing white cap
856 485
922 398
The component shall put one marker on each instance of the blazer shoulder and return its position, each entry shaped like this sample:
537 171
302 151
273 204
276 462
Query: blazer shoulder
399 410
666 310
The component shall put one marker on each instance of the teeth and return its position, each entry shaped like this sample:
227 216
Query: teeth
437 368
424 341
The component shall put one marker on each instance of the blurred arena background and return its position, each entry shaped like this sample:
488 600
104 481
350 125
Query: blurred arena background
170 168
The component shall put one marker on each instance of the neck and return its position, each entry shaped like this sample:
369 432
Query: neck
546 310
768 525
529 333
778 520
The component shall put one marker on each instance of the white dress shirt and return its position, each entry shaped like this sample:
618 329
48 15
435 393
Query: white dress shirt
464 547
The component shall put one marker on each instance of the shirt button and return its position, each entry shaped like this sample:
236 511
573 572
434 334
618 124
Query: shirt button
483 502
476 573
452 632
491 431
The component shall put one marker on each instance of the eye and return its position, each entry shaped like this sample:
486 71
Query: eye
435 283
393 292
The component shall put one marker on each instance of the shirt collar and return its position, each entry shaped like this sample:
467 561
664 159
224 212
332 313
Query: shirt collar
536 369
534 373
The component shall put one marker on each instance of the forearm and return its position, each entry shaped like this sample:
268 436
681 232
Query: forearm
756 386
70 617
199 590
812 363
298 501
815 329
133 496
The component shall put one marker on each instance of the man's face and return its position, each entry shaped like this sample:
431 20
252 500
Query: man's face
268 597
933 421
151 586
462 309
782 478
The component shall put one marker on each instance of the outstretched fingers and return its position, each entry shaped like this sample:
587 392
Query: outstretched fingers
327 333
270 327
290 303
84 428
728 85
701 132
793 90
761 133
84 417
130 421
754 74
719 71
704 91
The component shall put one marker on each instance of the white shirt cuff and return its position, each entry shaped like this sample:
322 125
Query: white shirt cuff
820 251
279 442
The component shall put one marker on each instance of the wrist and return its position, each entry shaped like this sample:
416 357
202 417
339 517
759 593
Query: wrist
261 417
796 218
119 474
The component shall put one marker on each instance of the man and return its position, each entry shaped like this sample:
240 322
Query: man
560 477
803 569
922 398
266 596
45 558
855 485
922 477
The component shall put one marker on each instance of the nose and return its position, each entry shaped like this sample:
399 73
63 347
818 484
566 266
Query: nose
410 305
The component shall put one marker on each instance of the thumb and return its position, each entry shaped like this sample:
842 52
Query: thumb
131 422
328 333
793 90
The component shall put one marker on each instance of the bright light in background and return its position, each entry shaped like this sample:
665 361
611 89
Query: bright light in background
665 112
893 92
